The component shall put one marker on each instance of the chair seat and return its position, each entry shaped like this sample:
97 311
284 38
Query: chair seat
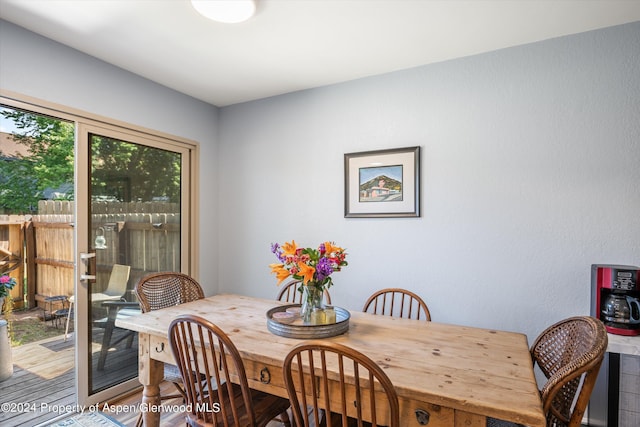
263 406
100 297
172 374
124 313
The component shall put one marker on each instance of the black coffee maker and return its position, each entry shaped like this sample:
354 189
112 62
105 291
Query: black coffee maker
615 297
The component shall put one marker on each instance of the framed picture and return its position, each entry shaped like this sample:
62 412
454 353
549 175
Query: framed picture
382 184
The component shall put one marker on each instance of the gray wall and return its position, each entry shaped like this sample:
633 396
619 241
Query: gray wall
531 173
530 161
39 67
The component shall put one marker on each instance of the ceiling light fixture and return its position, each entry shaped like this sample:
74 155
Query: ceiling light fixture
227 11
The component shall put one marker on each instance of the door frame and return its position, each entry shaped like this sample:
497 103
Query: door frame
189 204
83 221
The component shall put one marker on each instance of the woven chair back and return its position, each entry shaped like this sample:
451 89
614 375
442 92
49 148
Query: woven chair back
166 289
357 390
570 354
397 302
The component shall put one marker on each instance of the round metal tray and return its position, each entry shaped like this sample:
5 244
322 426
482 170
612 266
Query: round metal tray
300 331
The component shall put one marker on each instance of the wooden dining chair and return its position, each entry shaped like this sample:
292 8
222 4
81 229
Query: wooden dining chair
161 290
397 302
290 293
569 354
202 350
166 289
357 390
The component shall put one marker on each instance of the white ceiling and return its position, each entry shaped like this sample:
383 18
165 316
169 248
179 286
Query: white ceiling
291 45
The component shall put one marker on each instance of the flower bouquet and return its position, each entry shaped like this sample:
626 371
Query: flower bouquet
312 266
6 284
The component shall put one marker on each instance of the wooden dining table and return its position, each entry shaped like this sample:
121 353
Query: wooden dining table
444 374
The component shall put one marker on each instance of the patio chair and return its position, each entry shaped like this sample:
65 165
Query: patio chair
115 291
397 302
203 350
289 293
310 386
115 310
569 354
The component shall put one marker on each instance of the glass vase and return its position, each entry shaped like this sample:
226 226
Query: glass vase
311 298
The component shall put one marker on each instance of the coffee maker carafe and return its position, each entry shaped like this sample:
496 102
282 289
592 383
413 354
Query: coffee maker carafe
615 297
621 309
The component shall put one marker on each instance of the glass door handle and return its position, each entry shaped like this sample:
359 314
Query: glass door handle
89 260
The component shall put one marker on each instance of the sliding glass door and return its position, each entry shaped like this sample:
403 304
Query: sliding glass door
120 205
137 206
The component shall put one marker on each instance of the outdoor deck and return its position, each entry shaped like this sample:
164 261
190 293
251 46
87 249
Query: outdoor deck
42 375
44 378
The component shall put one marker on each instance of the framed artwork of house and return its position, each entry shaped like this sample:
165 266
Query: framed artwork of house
382 184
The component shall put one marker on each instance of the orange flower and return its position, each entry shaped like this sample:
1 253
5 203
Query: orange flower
310 265
306 271
289 248
280 272
330 249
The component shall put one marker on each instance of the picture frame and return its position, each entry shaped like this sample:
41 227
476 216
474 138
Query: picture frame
382 183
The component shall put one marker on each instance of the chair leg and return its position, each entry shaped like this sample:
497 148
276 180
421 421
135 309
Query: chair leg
183 393
106 341
66 329
109 326
130 340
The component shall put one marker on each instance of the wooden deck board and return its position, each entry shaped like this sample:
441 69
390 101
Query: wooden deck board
43 378
28 387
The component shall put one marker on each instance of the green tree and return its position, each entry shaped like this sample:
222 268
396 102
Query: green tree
48 164
130 172
120 170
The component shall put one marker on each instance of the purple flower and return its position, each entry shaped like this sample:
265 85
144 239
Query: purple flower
322 249
6 284
323 269
277 250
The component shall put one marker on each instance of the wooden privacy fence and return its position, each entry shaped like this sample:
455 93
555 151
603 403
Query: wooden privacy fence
12 235
145 236
52 258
